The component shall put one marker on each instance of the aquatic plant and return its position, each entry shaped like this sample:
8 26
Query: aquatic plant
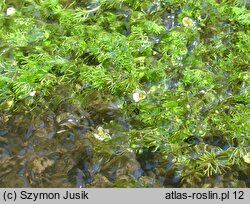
187 61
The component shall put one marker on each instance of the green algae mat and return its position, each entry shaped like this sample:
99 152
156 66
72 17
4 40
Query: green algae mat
124 93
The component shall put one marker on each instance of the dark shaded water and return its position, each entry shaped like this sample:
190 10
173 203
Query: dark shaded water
67 148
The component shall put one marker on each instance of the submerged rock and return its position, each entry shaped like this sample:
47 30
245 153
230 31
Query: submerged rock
123 164
100 181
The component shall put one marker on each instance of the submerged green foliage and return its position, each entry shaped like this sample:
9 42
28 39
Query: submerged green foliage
196 78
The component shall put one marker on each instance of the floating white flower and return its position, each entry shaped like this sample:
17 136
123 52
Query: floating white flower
188 22
102 133
247 158
33 93
139 95
10 11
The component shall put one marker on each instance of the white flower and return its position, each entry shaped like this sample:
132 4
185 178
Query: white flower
10 11
33 93
246 158
139 95
102 133
188 22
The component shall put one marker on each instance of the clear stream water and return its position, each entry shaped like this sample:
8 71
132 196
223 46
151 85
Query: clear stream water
58 147
43 148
